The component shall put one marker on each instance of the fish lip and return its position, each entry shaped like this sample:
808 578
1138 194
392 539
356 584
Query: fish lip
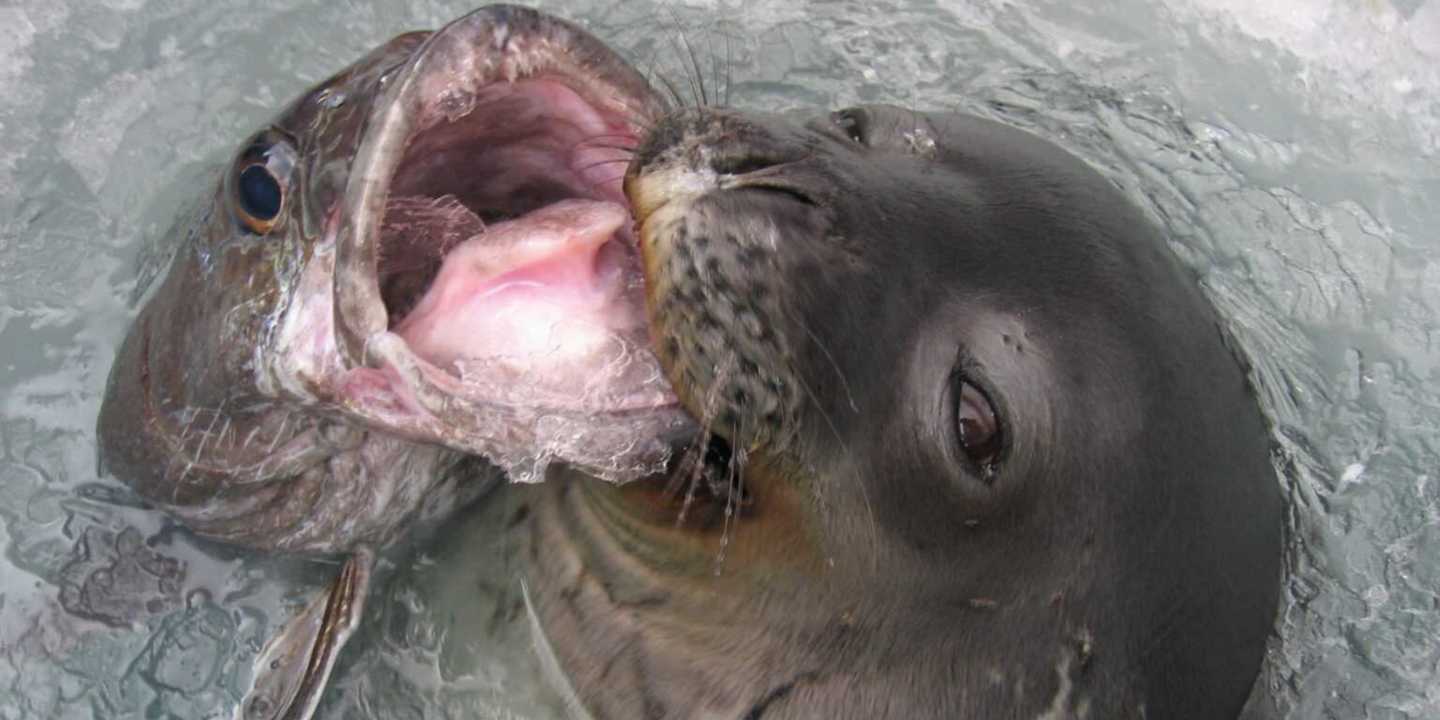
500 43
375 376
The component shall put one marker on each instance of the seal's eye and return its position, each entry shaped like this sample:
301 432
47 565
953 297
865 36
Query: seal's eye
978 427
848 121
260 182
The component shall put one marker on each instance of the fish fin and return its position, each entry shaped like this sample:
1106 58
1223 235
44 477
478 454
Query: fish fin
292 671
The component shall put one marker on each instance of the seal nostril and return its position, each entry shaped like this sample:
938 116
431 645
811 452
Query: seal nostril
849 122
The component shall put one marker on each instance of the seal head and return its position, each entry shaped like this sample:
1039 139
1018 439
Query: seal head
984 449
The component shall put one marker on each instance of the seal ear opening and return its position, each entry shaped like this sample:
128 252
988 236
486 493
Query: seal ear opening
851 122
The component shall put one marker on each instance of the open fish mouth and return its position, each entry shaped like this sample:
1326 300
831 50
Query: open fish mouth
484 290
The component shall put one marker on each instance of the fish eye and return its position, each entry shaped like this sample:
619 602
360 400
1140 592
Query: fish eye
978 428
260 182
259 192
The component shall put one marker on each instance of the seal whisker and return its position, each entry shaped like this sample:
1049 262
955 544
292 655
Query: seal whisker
797 318
672 28
830 358
640 121
859 481
709 415
714 63
694 482
629 152
732 465
691 470
652 73
688 465
693 73
729 69
792 314
674 91
687 472
735 490
672 98
695 474
606 181
592 140
601 163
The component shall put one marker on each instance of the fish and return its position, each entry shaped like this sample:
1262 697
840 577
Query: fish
419 280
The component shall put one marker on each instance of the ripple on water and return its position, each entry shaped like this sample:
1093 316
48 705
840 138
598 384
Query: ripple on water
1289 151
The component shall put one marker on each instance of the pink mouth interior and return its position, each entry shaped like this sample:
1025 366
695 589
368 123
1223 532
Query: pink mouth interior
507 258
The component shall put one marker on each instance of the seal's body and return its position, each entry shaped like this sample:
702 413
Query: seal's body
983 450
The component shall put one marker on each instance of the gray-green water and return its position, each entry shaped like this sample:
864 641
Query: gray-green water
1289 147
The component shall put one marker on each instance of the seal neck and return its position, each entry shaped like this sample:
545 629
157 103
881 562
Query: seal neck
661 533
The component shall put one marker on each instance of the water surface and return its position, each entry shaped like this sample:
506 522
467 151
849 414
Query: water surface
1289 149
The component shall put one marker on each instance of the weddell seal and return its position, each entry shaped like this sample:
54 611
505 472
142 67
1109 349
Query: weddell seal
979 445
919 417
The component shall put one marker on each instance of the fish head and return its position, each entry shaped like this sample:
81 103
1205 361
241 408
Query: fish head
430 248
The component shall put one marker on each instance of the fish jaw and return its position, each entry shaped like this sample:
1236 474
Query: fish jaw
271 382
486 110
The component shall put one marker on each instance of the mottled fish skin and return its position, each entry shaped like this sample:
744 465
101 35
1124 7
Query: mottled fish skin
258 397
186 421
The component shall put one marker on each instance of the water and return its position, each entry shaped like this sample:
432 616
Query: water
1289 148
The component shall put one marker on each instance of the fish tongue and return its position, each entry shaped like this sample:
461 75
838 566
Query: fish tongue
528 294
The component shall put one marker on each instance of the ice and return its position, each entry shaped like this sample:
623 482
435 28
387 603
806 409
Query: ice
1288 148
